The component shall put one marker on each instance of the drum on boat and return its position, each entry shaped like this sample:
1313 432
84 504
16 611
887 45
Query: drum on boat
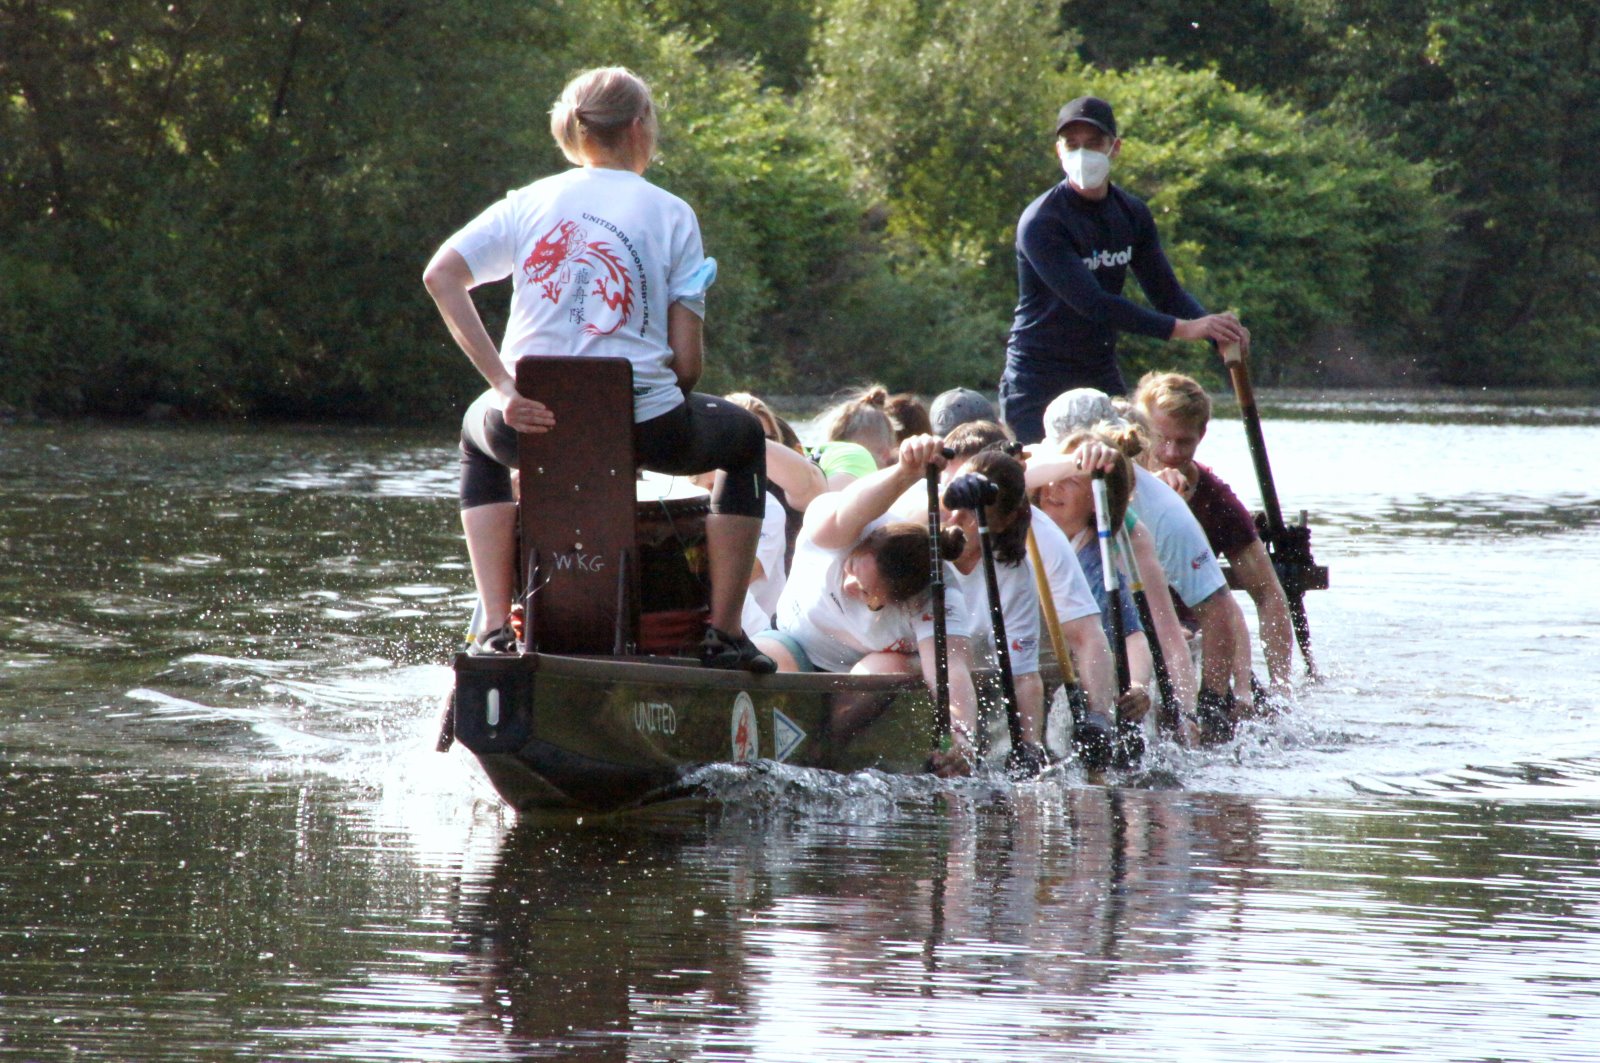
674 571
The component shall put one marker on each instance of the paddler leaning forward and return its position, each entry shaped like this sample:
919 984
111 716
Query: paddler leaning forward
858 596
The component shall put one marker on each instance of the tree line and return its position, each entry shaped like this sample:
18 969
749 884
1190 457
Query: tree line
223 206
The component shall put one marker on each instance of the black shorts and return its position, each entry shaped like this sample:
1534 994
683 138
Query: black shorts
702 434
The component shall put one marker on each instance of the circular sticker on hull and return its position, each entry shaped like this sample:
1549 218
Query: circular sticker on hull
746 739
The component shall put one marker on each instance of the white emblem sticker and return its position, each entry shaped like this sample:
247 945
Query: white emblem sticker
746 739
786 736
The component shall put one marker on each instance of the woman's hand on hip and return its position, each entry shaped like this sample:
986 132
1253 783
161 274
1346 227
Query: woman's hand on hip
522 413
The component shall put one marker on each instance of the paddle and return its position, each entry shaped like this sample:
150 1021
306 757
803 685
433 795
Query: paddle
1290 548
1167 718
1091 736
941 644
1077 699
977 492
1130 742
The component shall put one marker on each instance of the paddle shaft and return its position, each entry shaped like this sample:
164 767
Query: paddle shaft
1109 581
1239 374
1052 619
941 643
997 620
1168 717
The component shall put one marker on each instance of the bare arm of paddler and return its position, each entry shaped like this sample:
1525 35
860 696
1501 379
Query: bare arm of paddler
1091 654
686 336
1030 703
1045 466
1141 668
837 521
448 279
1169 630
1256 575
801 478
961 757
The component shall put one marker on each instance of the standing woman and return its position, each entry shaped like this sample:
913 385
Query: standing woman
603 263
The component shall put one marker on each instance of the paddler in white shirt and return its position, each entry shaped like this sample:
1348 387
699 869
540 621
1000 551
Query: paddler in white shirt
857 599
976 446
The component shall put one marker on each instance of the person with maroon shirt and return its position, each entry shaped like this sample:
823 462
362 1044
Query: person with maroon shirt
1178 410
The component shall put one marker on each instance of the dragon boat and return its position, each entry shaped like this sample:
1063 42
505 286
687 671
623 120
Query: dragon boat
605 706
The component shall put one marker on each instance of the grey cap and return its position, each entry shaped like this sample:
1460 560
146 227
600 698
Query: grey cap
1077 409
958 406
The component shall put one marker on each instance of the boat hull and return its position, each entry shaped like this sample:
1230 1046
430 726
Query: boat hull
603 734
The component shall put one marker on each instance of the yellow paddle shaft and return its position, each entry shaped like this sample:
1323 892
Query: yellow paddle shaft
1052 619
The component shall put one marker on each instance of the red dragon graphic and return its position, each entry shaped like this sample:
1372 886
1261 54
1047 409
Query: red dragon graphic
567 246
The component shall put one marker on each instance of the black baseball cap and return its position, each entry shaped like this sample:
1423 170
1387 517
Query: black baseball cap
1091 109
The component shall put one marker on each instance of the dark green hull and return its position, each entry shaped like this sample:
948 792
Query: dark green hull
605 733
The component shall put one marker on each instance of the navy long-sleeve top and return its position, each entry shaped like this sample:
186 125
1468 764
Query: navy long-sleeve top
1073 257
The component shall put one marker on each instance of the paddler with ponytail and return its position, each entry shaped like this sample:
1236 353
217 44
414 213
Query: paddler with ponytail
857 598
1060 475
981 447
1182 554
1075 246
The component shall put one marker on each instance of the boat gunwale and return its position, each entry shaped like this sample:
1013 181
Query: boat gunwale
681 671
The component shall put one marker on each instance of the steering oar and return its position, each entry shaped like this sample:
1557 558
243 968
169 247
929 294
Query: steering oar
1290 547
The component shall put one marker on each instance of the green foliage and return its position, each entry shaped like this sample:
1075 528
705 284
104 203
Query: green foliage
1261 44
225 206
947 109
775 209
775 36
1504 95
1301 227
231 193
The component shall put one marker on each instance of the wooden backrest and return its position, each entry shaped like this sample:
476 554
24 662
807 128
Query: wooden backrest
579 557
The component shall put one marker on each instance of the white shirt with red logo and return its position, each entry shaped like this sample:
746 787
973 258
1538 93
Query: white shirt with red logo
1186 557
595 257
837 631
1019 598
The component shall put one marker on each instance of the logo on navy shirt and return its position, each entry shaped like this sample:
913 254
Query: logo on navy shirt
1109 258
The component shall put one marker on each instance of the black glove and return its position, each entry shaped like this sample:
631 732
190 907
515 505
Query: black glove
969 491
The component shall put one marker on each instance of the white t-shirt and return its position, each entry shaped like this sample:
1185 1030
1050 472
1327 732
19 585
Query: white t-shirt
761 600
1186 556
1019 604
596 256
1074 597
1019 598
836 631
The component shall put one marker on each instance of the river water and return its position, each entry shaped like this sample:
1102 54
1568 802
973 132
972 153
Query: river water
225 834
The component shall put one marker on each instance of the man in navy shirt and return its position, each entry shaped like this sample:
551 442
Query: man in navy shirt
1075 245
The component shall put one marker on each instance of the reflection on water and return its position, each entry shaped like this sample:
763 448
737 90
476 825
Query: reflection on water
227 835
192 916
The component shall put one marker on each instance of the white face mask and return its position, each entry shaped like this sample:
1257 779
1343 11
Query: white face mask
1085 168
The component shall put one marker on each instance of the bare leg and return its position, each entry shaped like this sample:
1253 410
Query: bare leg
491 543
731 548
886 662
